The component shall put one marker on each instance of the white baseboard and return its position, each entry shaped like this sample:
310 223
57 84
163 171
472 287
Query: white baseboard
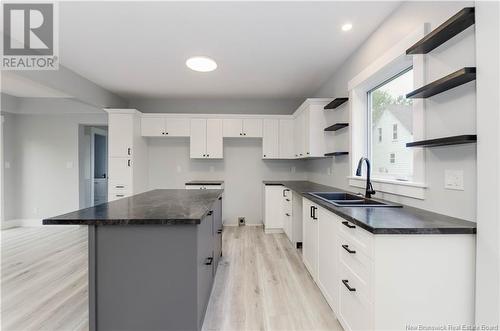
21 222
235 225
10 224
273 230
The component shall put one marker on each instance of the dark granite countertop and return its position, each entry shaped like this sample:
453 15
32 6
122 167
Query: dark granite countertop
153 207
380 220
205 182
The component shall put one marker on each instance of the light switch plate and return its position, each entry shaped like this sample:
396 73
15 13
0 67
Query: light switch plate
454 180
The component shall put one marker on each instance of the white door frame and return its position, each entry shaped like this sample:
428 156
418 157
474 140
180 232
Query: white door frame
93 133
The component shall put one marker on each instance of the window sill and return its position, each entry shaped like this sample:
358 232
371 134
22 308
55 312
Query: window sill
407 189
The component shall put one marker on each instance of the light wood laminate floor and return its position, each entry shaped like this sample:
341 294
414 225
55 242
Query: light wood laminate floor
261 283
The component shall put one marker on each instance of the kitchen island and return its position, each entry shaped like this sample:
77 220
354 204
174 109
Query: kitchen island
152 258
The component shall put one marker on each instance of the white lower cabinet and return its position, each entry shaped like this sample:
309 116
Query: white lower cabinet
328 257
287 212
389 282
310 237
273 208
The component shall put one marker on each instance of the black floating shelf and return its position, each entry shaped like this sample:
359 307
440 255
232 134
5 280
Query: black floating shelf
446 83
453 26
335 103
455 140
336 153
337 126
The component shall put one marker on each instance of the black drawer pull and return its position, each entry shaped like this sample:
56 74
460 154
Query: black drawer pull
129 151
314 213
219 231
349 225
209 261
287 199
345 281
287 214
120 186
346 247
128 163
210 213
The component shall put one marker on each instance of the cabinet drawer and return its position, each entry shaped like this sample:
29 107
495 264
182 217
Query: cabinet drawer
112 196
116 187
358 236
203 187
359 263
355 309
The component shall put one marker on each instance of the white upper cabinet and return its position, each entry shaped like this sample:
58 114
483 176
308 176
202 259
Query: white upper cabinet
237 127
165 127
232 127
270 139
252 127
206 139
121 128
152 126
177 127
214 139
286 139
299 135
198 138
309 125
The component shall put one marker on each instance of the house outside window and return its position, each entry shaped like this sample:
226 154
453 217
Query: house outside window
390 111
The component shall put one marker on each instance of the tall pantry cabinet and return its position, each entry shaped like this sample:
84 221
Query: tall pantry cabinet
128 154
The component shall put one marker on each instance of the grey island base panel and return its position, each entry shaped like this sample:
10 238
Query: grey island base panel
152 259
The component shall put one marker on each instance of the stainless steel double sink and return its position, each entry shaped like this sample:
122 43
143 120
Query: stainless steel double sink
342 199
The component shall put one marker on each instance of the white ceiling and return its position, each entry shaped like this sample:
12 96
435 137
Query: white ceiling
263 49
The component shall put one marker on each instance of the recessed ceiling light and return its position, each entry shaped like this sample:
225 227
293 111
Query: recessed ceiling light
347 27
201 64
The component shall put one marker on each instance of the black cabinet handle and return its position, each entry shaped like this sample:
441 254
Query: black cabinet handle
128 163
314 213
129 151
345 281
209 261
208 155
219 231
287 199
220 198
120 186
210 213
166 132
204 155
346 247
264 155
349 225
285 190
241 134
287 214
244 134
311 212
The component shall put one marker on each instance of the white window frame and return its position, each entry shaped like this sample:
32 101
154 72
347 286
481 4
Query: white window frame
392 158
395 132
380 135
391 63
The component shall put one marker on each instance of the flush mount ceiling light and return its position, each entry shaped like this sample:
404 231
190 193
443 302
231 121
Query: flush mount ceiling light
201 64
347 27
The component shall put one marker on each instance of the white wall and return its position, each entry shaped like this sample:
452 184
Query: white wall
450 113
42 149
242 169
488 160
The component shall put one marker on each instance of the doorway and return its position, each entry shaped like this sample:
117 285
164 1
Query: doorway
93 162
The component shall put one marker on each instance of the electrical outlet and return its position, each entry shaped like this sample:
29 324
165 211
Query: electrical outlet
454 180
241 221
